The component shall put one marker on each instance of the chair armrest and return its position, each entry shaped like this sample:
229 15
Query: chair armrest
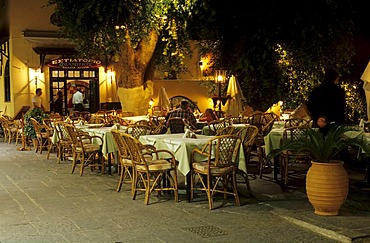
92 137
201 152
149 148
173 160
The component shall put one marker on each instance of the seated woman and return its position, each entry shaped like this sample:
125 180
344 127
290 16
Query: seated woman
208 116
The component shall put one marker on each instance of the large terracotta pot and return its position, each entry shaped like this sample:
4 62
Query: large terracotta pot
327 187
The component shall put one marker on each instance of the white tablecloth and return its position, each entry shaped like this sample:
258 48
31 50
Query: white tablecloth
183 147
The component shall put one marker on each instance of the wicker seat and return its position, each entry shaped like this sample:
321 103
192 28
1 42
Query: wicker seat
218 171
151 174
84 151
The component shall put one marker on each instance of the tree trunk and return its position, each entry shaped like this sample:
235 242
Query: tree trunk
133 91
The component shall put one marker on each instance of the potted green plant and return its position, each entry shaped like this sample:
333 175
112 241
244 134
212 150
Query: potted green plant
326 180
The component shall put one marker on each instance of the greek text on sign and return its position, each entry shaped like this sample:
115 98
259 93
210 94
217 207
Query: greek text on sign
74 63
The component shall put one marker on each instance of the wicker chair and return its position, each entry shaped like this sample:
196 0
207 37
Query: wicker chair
121 121
84 151
63 141
296 122
176 125
43 135
152 172
12 129
158 126
248 135
225 131
215 126
287 159
125 162
3 126
48 125
264 122
218 172
137 130
97 119
126 113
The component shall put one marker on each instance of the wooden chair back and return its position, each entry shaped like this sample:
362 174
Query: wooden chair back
176 125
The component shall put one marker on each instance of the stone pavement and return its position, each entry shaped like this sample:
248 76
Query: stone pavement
42 202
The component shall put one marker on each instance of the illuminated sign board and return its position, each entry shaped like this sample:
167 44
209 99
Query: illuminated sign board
74 63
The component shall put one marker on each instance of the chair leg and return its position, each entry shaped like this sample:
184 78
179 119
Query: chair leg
134 185
147 186
10 138
209 193
82 165
59 155
121 179
74 162
50 146
246 179
235 188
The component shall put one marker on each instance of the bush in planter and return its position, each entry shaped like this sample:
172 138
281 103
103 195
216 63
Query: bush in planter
327 180
325 148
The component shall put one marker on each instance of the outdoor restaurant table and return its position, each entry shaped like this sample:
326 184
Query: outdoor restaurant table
274 137
182 149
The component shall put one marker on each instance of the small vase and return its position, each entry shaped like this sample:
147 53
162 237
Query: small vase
327 187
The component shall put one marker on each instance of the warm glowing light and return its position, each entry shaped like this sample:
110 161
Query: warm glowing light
111 75
34 74
151 102
220 76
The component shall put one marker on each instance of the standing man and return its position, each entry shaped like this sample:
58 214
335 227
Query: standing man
77 100
37 100
326 102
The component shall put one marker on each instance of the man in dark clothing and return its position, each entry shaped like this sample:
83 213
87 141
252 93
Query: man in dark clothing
184 112
327 101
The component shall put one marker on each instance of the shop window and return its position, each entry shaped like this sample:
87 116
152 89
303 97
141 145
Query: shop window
7 82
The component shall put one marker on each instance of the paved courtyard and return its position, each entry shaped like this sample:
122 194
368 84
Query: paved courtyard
42 202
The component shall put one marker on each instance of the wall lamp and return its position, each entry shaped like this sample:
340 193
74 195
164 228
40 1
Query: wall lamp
34 74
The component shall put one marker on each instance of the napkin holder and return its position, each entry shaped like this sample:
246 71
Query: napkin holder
189 134
117 126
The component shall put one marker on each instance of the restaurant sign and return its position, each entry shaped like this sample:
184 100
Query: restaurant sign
74 63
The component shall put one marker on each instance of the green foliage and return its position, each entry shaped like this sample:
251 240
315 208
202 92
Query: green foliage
37 114
324 148
249 43
98 28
